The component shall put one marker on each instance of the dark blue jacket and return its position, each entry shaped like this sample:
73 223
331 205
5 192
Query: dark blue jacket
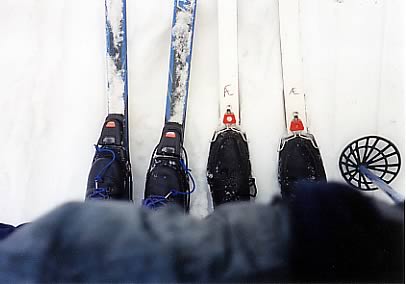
328 233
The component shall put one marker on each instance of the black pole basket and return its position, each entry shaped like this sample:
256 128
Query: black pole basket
377 154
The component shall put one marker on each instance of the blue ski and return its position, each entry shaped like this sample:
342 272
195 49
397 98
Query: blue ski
168 176
180 58
110 175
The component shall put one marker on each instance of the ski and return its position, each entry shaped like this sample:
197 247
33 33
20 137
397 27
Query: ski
168 175
110 175
299 154
229 168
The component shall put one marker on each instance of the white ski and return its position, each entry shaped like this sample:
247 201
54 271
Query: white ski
299 155
230 178
228 63
292 70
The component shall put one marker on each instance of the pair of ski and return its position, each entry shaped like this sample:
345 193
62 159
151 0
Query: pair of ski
168 177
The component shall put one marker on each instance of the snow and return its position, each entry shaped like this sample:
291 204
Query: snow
53 95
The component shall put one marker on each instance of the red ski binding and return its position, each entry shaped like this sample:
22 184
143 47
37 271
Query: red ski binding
229 118
296 124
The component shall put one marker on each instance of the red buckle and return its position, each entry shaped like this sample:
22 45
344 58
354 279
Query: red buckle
229 118
110 124
296 125
170 134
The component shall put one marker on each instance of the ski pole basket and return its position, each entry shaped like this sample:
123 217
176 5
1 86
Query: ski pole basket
371 162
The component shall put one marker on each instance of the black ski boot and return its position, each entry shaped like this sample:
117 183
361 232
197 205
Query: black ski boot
299 160
168 176
229 168
110 175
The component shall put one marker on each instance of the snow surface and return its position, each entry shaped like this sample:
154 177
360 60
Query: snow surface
53 96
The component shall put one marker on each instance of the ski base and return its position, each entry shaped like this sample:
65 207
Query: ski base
299 160
229 167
